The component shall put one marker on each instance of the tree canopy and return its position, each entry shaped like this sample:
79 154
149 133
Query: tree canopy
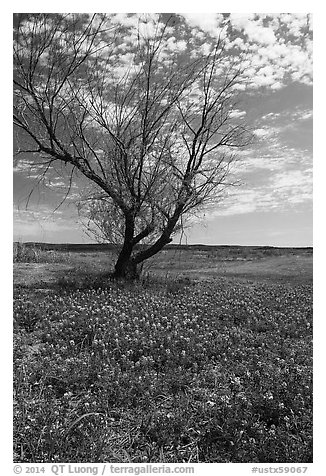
147 118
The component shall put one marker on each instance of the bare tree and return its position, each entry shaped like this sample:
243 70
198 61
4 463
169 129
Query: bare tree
152 131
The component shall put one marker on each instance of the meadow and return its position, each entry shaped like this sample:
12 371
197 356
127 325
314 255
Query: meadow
208 358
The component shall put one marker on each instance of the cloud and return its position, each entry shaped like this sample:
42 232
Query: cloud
208 22
236 204
304 115
261 132
35 223
294 179
174 45
287 118
283 190
276 85
296 22
42 212
244 200
253 28
144 21
276 54
23 164
265 162
274 176
236 113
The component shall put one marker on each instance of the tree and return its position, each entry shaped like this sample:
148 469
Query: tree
152 130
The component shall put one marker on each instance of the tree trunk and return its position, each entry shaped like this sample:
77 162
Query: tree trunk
125 266
126 269
128 266
152 250
163 240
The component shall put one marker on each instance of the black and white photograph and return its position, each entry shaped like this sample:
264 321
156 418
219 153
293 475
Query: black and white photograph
162 240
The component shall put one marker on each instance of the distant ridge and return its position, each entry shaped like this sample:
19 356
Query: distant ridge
196 247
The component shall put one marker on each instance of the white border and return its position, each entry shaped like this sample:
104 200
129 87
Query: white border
319 198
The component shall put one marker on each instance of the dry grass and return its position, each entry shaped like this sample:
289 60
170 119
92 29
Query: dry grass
23 253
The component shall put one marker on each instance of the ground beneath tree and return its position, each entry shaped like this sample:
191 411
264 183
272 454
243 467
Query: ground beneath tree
293 265
30 274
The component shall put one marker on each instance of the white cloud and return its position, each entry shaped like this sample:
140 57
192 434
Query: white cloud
252 28
287 119
206 48
209 22
239 87
35 223
241 20
294 179
22 165
306 115
261 132
237 203
295 22
262 80
283 188
276 85
275 53
174 45
237 113
268 163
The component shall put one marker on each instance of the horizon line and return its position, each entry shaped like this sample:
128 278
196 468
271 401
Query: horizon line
168 245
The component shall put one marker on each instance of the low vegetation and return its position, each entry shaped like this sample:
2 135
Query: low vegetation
178 370
24 253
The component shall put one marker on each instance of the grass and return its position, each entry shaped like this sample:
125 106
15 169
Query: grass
193 366
23 253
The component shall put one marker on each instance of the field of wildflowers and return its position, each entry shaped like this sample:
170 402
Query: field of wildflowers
205 371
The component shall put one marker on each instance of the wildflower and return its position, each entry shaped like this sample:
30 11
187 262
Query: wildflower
67 395
210 403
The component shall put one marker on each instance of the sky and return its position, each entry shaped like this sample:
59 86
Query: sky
272 205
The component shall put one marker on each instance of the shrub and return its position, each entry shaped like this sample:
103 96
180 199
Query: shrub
23 253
